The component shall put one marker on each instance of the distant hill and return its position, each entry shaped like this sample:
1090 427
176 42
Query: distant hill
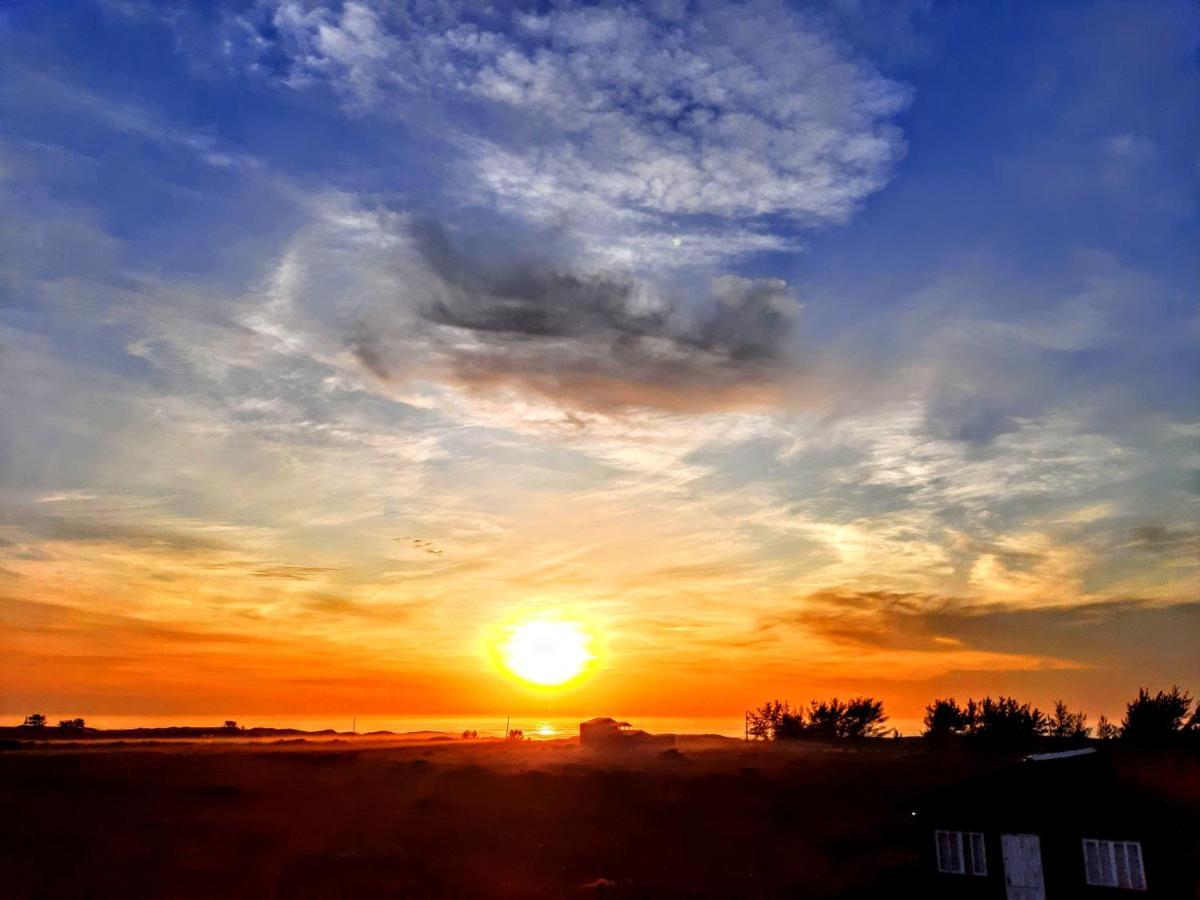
185 732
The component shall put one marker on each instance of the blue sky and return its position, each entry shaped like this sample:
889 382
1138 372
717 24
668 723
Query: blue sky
801 338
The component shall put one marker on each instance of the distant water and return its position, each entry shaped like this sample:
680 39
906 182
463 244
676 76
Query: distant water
543 727
537 727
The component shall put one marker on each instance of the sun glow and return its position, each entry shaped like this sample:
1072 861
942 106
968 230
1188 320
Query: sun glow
547 652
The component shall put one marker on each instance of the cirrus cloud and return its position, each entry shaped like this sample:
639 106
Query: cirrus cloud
624 124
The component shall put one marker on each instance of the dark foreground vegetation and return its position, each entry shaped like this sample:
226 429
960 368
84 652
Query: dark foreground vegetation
822 811
311 819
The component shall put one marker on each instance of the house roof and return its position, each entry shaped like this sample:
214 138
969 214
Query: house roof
1072 788
1064 754
604 720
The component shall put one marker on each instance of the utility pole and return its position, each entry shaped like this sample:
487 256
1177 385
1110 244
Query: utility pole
507 722
354 727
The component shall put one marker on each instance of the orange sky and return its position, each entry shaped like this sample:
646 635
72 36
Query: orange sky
180 617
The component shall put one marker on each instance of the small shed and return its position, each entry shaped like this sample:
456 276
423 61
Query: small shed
607 732
1075 824
601 731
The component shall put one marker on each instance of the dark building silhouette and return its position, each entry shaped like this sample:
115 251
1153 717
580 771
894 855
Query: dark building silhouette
1078 824
607 732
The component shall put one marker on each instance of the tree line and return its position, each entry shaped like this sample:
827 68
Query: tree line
861 717
1159 719
37 720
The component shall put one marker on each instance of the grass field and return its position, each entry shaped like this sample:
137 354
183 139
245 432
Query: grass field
421 818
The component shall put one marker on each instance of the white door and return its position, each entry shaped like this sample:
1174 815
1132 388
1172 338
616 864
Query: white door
1023 866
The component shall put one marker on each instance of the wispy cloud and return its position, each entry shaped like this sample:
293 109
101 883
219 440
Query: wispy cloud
640 130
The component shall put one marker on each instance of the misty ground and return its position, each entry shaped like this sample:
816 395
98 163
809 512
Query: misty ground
419 818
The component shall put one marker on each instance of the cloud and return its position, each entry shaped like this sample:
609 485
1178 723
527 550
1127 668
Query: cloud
294 573
1131 633
602 341
127 118
167 536
37 619
890 636
410 304
624 124
1170 542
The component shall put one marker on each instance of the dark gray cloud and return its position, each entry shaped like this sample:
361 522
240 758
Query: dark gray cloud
293 573
875 619
1164 540
33 523
39 618
1142 635
600 341
528 299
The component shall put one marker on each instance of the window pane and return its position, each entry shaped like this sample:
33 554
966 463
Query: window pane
949 850
978 855
1137 875
1106 863
1122 865
1097 869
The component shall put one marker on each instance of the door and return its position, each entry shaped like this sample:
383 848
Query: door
1023 866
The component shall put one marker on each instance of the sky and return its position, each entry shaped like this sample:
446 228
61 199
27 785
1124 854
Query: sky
791 349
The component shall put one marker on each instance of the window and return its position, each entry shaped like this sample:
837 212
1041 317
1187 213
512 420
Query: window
961 853
1114 864
976 855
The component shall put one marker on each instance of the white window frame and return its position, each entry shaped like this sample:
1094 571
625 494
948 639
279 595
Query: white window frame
1116 864
967 849
978 852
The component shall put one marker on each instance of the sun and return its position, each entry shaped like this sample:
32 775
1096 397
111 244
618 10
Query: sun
547 652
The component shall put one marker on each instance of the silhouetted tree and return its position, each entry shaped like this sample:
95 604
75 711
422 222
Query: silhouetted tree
764 723
75 724
1007 722
791 726
856 718
971 714
862 717
1106 730
230 725
35 720
516 734
825 717
1067 725
944 717
1158 719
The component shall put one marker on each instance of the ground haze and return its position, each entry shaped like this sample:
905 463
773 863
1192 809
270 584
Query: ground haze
295 817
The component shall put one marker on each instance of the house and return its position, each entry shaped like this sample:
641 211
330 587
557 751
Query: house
1076 824
605 732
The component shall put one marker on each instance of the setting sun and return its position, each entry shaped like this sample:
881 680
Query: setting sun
546 652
